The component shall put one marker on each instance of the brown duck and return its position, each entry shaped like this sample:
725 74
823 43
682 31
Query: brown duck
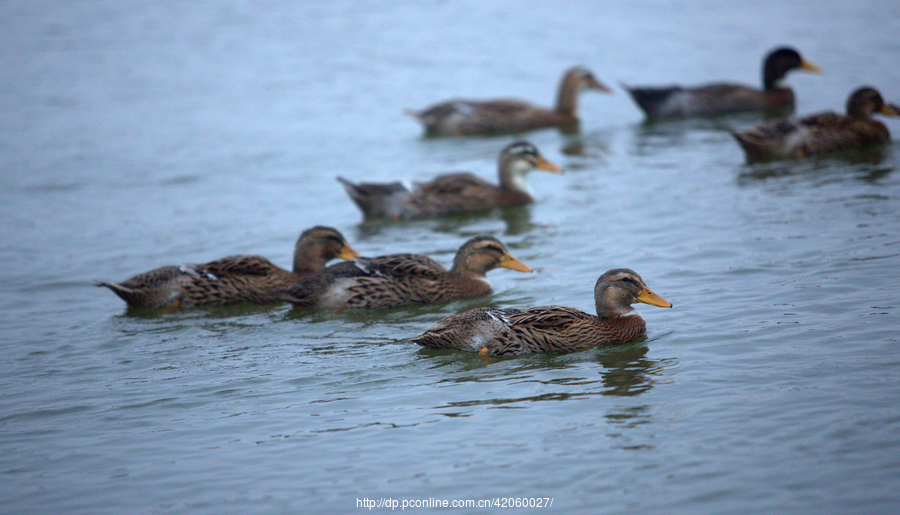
513 332
821 133
721 98
231 279
453 193
468 117
401 279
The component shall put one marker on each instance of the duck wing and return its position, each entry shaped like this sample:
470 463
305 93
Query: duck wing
461 117
454 193
384 281
235 266
831 131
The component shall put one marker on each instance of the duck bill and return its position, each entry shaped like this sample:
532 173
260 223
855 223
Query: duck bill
599 86
810 67
348 253
514 264
890 110
544 164
648 297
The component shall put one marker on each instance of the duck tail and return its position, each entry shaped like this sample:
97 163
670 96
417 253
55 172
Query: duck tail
124 293
651 100
413 114
296 295
754 147
357 193
375 199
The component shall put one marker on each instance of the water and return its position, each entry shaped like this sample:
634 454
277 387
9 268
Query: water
149 133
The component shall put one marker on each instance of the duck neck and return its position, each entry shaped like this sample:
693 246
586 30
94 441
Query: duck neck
513 184
623 328
305 263
859 112
567 96
473 283
773 77
607 313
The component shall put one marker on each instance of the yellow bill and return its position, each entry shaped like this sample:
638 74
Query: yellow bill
648 297
514 264
890 110
810 67
544 164
348 253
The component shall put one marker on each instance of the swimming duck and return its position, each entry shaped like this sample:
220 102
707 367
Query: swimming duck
514 332
721 98
453 193
401 279
468 117
231 279
821 133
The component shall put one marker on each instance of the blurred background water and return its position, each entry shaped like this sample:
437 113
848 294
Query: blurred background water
140 134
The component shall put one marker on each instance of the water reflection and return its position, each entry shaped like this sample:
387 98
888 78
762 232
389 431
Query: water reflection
870 154
517 220
594 145
625 372
212 312
629 417
653 136
869 164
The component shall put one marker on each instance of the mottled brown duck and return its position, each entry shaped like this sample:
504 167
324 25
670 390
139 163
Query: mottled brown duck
821 133
721 98
514 332
471 117
455 193
232 279
401 279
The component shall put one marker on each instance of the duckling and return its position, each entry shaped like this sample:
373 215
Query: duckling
455 193
231 279
401 279
820 133
514 332
722 98
469 117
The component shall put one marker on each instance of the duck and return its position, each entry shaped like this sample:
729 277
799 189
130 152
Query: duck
473 117
455 193
402 279
722 98
821 133
507 332
244 278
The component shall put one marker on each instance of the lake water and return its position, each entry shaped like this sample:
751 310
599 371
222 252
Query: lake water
141 134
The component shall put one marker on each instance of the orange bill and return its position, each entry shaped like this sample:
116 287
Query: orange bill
544 164
648 297
514 264
810 67
348 253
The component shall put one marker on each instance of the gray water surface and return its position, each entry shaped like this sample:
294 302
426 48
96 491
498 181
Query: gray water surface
141 134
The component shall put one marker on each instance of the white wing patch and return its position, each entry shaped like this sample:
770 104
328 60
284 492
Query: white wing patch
193 272
464 109
498 317
336 294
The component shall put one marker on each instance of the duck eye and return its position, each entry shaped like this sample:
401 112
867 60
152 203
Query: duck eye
494 249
